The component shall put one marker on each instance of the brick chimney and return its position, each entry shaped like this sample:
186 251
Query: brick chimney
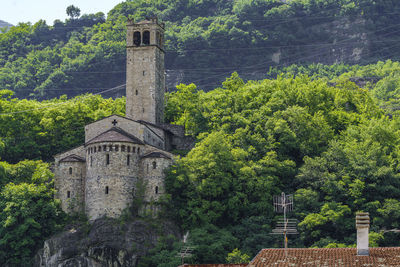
362 225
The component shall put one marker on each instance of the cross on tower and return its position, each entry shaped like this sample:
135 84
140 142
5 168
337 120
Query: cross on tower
114 122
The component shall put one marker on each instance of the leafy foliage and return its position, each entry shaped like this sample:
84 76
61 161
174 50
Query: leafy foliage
87 53
326 142
329 134
38 130
29 214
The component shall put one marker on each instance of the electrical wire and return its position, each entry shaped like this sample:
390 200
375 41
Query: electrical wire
61 103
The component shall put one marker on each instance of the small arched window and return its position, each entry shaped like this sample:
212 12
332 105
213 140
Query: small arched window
107 159
137 38
99 149
94 149
156 190
106 191
104 148
116 147
134 149
70 170
68 194
136 92
146 37
110 147
154 165
123 148
129 149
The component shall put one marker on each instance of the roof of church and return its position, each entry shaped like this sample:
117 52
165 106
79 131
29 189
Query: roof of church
327 257
145 22
156 155
115 134
73 158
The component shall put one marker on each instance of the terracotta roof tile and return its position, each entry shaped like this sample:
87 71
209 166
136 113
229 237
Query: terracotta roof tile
383 257
73 158
156 155
214 265
115 134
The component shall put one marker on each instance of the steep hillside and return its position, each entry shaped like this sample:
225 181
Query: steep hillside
205 42
323 139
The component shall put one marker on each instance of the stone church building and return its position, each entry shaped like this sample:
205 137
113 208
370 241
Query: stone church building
101 176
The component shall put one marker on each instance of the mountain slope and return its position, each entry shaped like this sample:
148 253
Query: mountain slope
206 41
4 24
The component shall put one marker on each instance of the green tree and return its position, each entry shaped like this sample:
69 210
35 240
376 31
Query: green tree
236 257
29 216
73 11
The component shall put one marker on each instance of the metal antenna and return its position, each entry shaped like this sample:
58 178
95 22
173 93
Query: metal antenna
284 204
186 251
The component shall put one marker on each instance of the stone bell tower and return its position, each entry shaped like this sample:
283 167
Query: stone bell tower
145 80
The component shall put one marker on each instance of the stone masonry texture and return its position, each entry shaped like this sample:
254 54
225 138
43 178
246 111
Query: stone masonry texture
101 177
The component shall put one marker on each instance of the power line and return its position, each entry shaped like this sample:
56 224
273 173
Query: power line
240 67
61 103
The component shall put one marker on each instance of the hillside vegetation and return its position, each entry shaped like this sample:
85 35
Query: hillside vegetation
324 140
87 54
328 134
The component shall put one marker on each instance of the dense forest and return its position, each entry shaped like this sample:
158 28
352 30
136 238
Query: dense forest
311 132
87 53
328 134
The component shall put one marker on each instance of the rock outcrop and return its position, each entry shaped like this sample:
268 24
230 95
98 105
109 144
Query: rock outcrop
106 242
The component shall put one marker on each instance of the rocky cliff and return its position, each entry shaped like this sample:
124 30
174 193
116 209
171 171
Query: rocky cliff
106 242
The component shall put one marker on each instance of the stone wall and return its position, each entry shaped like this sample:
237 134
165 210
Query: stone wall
94 129
152 171
145 74
151 135
74 182
70 185
79 151
110 183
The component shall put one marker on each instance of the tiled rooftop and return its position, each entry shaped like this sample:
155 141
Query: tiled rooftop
115 134
73 158
156 155
380 257
214 265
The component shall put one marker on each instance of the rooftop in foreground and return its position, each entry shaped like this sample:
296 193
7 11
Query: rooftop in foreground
382 257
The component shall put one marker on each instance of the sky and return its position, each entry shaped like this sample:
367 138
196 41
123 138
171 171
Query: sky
15 11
